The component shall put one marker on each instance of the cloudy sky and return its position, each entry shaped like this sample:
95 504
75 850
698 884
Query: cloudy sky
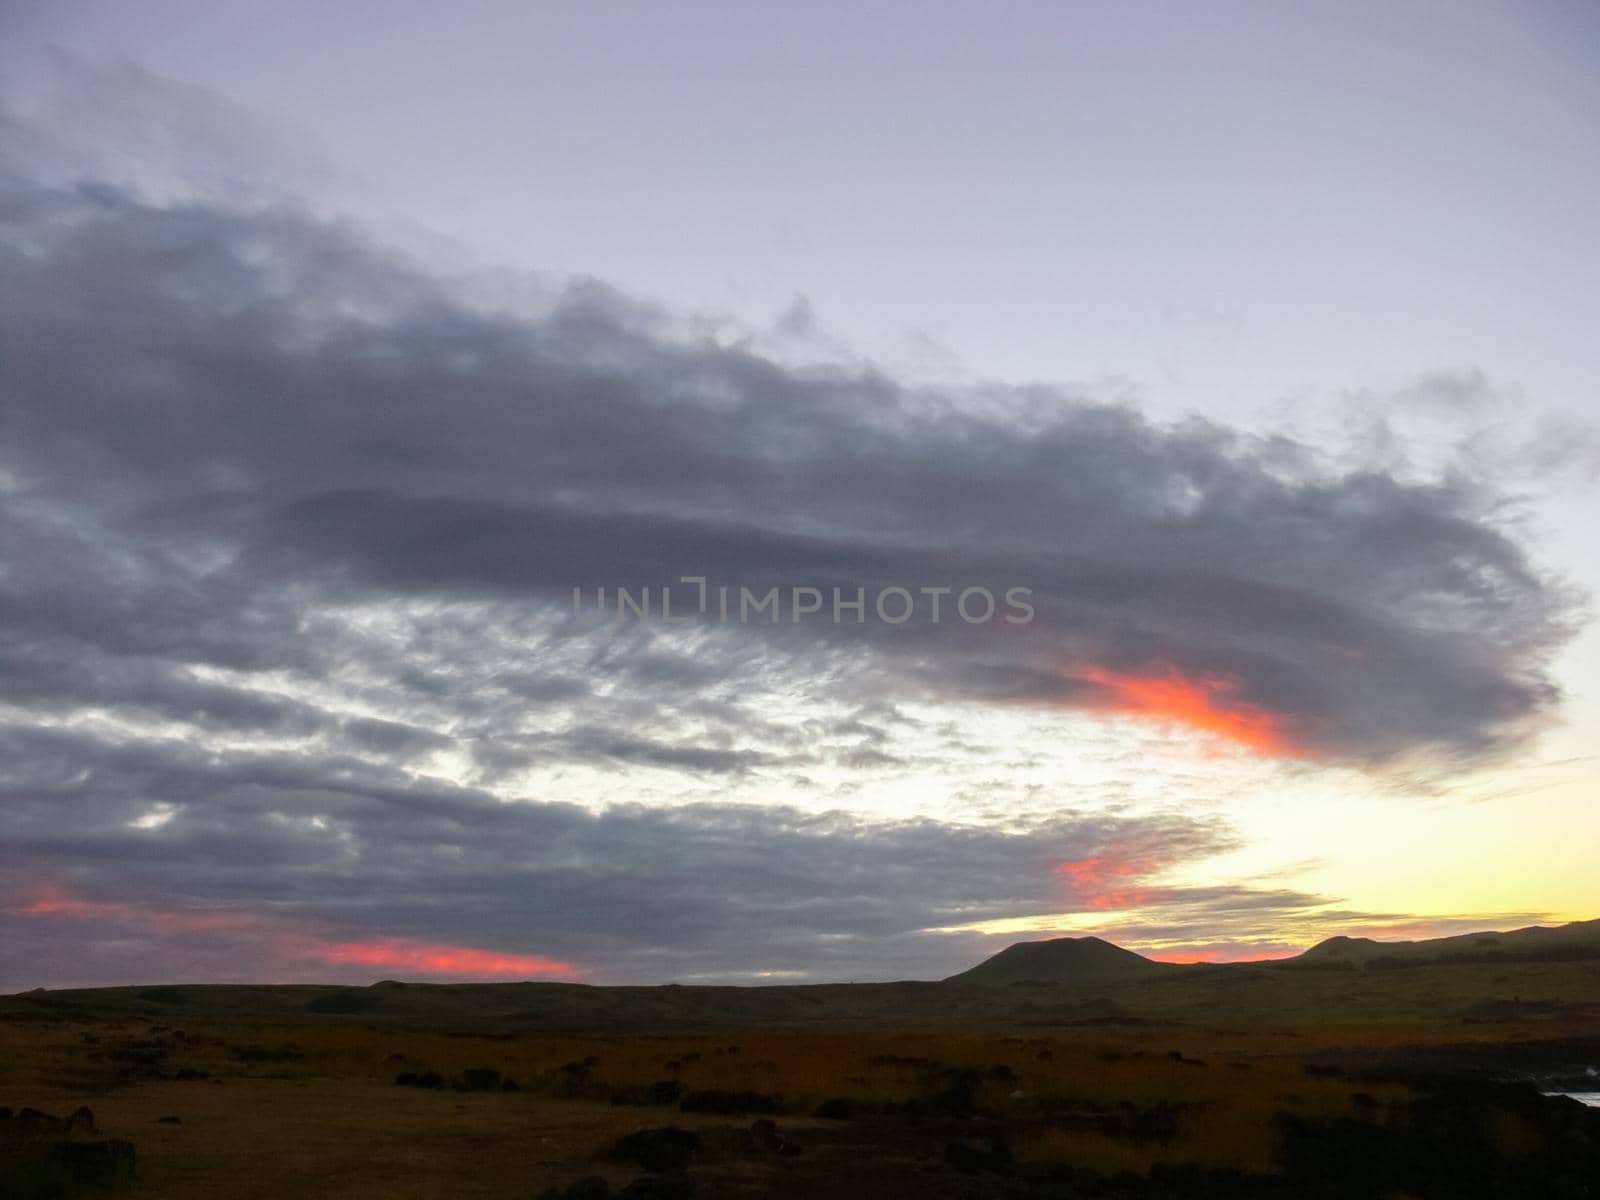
1240 356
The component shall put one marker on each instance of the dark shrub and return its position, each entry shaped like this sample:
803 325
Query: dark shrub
421 1079
730 1103
1445 1145
764 1134
97 1162
257 1053
664 1091
590 1187
80 1121
164 995
673 1186
666 1149
661 1092
350 1001
958 1096
973 1156
480 1079
1157 1123
839 1108
33 1120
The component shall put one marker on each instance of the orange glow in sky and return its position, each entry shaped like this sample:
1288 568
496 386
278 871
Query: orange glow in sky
1109 879
435 958
1204 703
1222 952
287 939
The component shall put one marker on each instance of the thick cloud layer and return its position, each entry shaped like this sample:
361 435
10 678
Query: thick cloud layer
296 857
290 528
262 398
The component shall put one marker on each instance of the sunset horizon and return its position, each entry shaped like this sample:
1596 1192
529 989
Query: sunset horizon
440 570
605 600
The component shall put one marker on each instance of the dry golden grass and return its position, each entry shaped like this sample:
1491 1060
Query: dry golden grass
310 1109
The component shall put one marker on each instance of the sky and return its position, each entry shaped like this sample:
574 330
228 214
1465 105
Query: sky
1239 354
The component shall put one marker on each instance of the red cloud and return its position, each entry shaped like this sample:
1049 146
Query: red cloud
1110 878
286 939
1222 952
55 903
436 959
1204 702
52 903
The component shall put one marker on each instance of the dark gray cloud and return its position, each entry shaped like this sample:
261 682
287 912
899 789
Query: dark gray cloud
257 399
289 852
289 525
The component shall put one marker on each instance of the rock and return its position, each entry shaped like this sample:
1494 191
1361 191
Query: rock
32 1120
81 1120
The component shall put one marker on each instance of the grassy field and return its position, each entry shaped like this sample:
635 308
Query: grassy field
310 1106
312 1109
1333 1076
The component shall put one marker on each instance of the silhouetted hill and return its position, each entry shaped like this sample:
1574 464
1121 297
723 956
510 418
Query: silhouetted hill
1340 949
1537 943
1085 960
1543 974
